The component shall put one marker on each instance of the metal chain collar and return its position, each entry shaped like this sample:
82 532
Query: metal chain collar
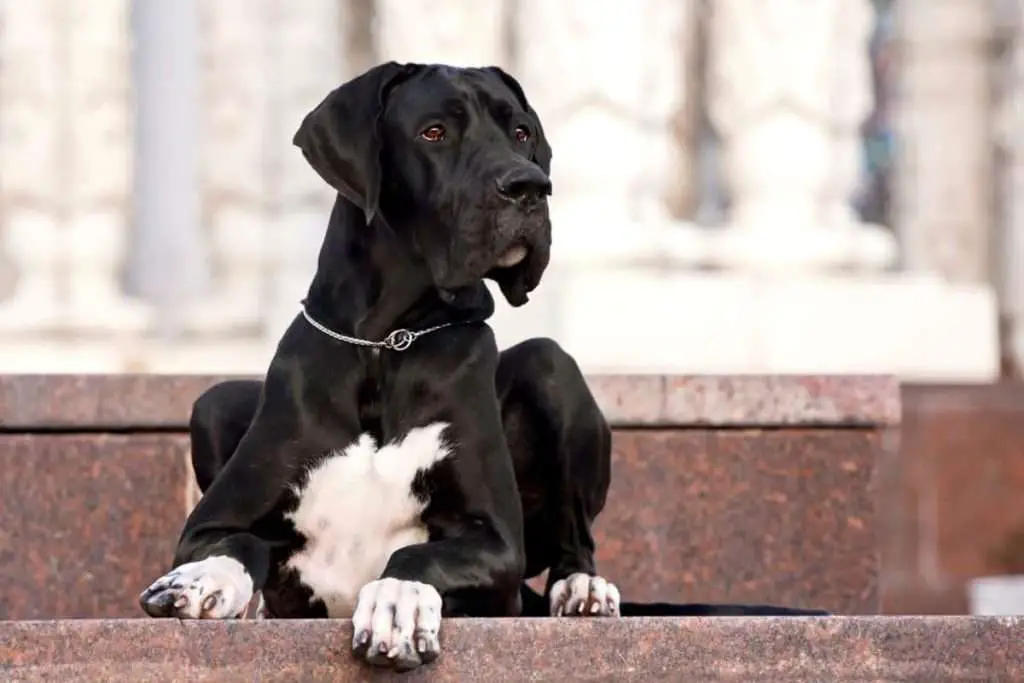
398 340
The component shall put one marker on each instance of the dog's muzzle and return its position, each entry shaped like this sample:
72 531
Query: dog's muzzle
526 186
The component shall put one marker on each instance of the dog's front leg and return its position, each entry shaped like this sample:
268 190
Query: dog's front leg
573 586
474 560
219 563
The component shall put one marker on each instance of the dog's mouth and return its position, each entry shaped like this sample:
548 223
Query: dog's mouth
513 256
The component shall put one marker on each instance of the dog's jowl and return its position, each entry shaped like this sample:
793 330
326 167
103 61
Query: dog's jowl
393 466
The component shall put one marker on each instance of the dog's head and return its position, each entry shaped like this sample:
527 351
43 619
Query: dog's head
453 160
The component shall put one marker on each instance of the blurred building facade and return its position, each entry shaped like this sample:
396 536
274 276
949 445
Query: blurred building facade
775 186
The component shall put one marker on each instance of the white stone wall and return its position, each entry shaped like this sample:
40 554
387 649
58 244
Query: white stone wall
235 90
459 32
30 141
65 163
266 63
788 88
308 57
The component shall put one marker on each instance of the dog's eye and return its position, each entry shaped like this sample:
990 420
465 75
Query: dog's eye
522 133
433 134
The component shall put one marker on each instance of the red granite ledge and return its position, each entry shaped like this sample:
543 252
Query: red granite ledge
724 649
128 401
749 400
31 402
995 398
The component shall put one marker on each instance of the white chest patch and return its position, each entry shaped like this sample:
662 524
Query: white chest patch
356 508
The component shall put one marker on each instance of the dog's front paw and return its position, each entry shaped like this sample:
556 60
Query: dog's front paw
584 595
214 588
396 624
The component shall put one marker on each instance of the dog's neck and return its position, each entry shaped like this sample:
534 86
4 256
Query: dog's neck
368 283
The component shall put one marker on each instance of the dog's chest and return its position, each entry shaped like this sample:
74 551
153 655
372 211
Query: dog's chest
357 507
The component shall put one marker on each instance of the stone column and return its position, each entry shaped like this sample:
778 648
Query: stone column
96 156
609 86
942 196
789 86
306 61
235 82
65 143
1011 137
168 261
457 32
31 88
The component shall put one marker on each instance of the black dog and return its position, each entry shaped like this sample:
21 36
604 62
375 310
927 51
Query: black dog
381 483
427 474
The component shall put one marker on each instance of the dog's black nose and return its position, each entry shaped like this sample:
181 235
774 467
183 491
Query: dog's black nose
524 183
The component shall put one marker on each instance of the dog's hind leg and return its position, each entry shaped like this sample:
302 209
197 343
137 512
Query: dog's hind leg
220 417
561 446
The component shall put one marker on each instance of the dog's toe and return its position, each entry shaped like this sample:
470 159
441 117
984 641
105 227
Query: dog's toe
582 595
396 624
158 602
214 588
428 646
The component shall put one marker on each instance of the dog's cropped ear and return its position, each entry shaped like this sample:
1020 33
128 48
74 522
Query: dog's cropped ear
340 138
542 153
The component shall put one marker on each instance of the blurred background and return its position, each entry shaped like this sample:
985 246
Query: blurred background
741 186
810 186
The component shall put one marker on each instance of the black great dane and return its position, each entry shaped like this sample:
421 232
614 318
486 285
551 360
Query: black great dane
393 466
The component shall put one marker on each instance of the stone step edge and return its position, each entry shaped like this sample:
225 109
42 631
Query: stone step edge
692 649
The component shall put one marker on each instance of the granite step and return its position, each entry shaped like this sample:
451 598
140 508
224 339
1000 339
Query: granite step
724 489
930 649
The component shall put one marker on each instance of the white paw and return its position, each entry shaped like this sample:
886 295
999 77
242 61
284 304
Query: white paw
396 623
584 595
214 588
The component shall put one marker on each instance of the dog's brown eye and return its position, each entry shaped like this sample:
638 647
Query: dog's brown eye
433 134
522 133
